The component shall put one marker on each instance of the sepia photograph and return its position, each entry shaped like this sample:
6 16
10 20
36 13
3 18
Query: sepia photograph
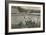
25 17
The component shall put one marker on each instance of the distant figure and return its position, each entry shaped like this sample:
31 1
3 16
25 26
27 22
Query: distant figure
27 18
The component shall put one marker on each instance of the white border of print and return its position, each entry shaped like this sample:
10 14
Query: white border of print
25 29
